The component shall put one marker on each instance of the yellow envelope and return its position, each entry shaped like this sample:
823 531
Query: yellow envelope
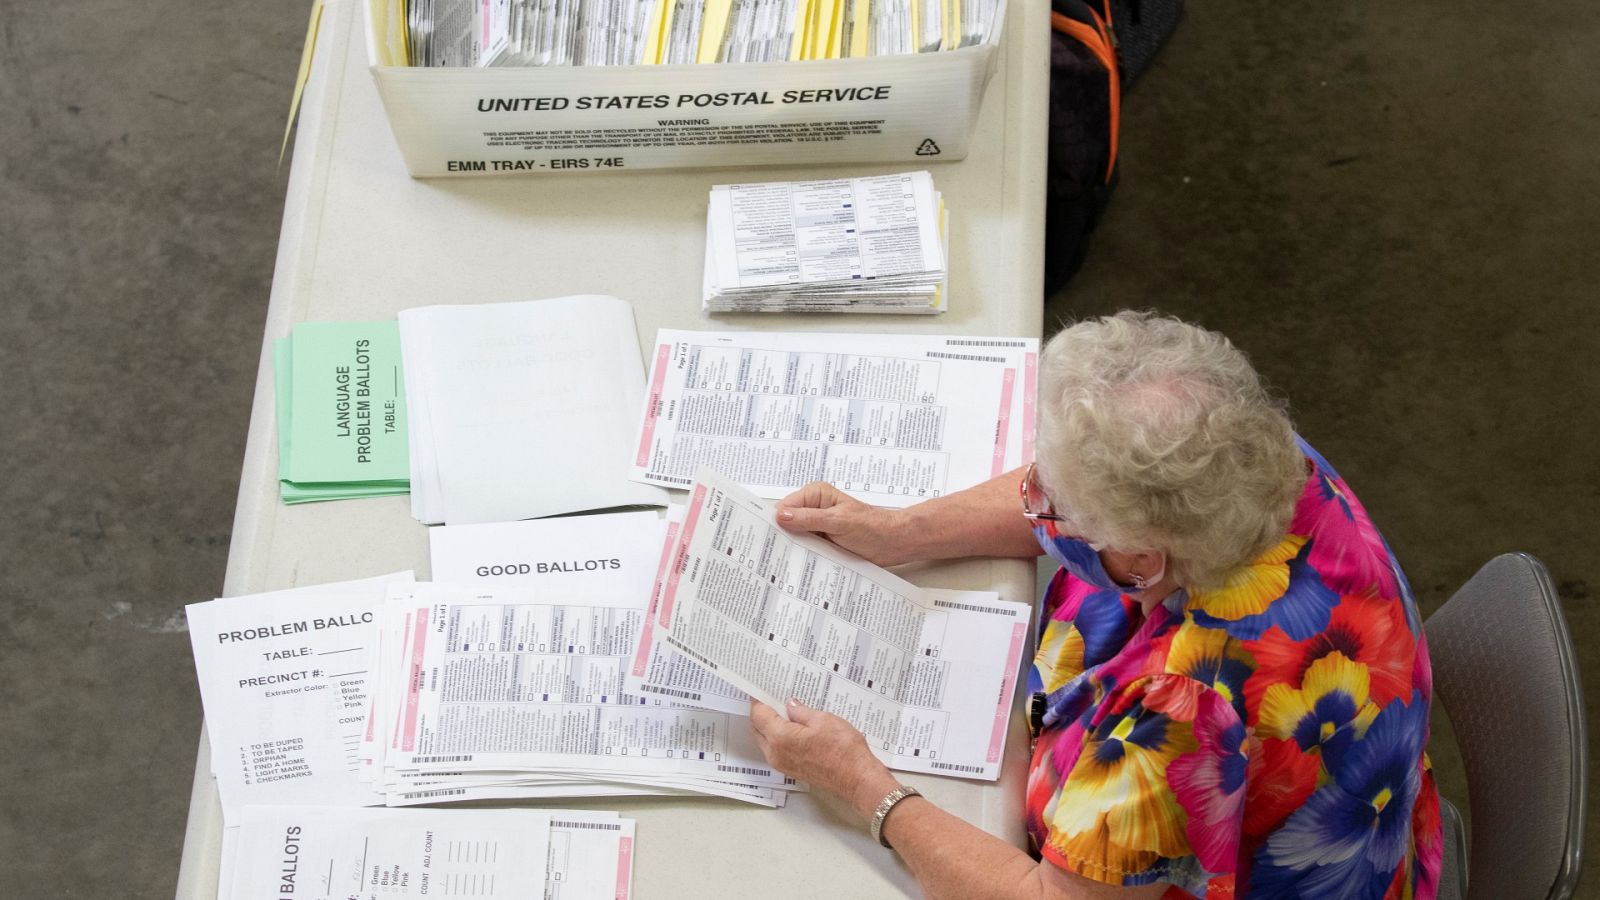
656 29
860 38
836 30
802 19
817 33
304 74
713 27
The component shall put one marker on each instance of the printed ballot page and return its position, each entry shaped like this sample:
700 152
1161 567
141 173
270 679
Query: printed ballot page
496 680
457 787
661 673
591 856
846 230
926 675
609 559
890 419
284 682
366 854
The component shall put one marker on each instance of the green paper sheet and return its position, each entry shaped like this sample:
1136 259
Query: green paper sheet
341 422
309 493
348 404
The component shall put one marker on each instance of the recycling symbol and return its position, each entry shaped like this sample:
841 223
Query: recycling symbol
928 148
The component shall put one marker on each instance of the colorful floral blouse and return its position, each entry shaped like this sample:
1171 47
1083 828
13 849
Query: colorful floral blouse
1265 739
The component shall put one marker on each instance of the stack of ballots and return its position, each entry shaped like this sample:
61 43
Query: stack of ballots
651 32
341 412
876 244
287 680
505 678
510 681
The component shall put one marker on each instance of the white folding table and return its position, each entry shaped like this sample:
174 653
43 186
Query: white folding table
362 240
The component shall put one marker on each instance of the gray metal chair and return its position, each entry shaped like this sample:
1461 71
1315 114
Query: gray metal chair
1453 866
1504 669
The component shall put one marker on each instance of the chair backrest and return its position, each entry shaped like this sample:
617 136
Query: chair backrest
1503 667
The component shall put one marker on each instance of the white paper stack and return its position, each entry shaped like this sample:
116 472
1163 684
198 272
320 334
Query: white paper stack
648 32
876 244
896 27
521 410
576 33
511 854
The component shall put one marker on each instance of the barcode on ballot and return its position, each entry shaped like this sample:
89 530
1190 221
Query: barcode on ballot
421 760
971 356
957 342
670 692
972 607
596 826
427 795
976 770
744 770
695 656
669 478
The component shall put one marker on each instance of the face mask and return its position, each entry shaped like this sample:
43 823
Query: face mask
1082 558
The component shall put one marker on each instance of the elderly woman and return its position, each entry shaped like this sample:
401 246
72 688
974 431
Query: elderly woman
1231 688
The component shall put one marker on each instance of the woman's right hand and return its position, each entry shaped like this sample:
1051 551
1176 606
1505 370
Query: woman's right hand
875 534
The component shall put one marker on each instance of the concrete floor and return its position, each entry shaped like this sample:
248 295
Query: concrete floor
1391 207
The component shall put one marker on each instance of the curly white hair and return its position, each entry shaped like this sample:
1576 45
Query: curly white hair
1157 435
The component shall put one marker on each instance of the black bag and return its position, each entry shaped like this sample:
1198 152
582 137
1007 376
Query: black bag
1086 82
1141 27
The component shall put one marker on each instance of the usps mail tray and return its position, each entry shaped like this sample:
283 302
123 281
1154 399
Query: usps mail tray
565 120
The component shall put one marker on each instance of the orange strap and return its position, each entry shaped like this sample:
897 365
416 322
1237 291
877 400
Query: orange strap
1098 39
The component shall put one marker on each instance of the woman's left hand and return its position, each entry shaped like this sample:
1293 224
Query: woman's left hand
824 751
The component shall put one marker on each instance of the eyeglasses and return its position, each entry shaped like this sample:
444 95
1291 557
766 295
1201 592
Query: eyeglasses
1036 504
1037 507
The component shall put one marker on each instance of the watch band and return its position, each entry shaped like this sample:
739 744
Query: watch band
886 804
